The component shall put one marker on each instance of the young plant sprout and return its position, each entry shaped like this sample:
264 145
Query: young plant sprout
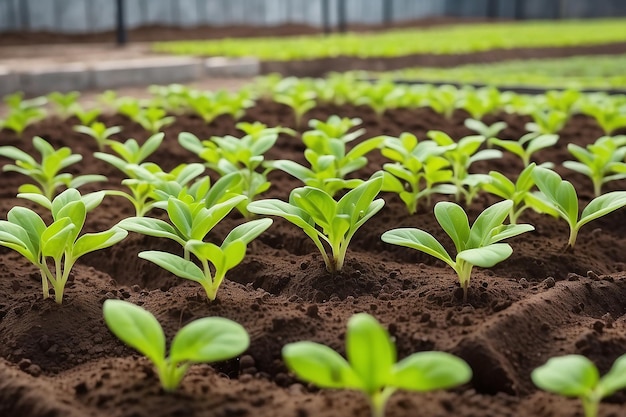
546 122
206 340
86 116
297 95
47 173
371 365
19 119
478 103
99 132
519 192
561 196
475 246
153 119
326 153
488 131
325 220
64 103
462 154
418 170
602 161
576 376
130 153
57 245
609 114
527 145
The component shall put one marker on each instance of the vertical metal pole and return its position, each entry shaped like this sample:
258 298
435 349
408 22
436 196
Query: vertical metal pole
341 16
122 37
387 12
326 16
24 8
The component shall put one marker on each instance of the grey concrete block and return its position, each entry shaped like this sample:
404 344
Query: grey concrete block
232 67
9 82
145 72
63 78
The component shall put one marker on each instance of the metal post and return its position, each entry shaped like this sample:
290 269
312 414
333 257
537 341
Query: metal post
341 16
387 12
492 9
24 8
122 36
326 16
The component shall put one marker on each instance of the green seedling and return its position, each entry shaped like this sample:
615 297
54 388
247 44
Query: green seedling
479 102
99 132
298 96
547 122
488 131
561 196
16 101
602 161
380 96
610 114
371 366
87 117
19 119
216 260
326 153
57 245
245 155
475 246
576 376
148 178
527 145
418 170
64 103
130 153
566 101
206 340
153 119
325 220
462 154
47 174
444 100
519 192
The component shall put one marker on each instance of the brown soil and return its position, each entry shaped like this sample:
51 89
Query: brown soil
542 302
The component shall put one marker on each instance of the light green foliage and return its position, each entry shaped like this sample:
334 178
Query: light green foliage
527 145
418 170
609 112
297 95
209 105
547 122
57 244
87 116
130 152
519 192
371 366
153 119
479 102
576 376
462 154
561 195
22 113
380 96
475 246
325 220
191 221
245 155
326 152
99 132
206 340
46 174
64 104
602 161
482 129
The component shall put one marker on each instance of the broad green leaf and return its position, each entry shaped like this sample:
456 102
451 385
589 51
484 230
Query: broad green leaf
81 180
77 213
180 215
615 379
420 240
506 231
487 220
317 203
95 241
370 352
428 371
486 256
601 206
62 200
558 192
16 154
136 327
56 237
248 231
149 147
209 339
206 218
453 221
569 375
320 365
30 222
175 264
150 227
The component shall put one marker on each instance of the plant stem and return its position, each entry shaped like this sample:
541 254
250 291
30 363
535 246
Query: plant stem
378 401
590 406
464 271
573 234
208 283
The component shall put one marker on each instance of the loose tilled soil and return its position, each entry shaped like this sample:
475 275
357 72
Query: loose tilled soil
60 360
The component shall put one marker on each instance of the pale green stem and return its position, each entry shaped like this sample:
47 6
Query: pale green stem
573 234
597 186
378 401
208 284
171 374
44 283
464 271
590 406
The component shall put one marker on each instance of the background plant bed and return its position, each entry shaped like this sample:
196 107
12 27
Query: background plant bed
542 302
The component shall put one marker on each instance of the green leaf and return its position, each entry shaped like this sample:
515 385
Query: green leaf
247 232
150 227
506 231
136 327
370 351
56 237
558 192
486 256
31 223
420 240
601 206
487 220
569 375
453 221
320 365
95 241
175 264
210 339
428 371
615 379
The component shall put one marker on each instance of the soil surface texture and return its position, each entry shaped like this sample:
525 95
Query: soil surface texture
61 361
